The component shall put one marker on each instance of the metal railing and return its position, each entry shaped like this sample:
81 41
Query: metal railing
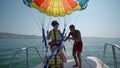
24 49
113 51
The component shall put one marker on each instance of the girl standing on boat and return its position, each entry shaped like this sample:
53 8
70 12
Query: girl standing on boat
55 35
77 47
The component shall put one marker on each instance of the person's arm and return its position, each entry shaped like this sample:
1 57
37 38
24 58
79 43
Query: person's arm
48 35
77 38
74 39
67 37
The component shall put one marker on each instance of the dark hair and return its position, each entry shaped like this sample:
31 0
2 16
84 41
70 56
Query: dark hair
72 26
54 23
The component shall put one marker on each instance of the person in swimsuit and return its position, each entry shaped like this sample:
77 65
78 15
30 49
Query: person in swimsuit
75 35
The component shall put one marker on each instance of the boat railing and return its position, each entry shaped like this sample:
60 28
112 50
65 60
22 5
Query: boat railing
26 51
113 52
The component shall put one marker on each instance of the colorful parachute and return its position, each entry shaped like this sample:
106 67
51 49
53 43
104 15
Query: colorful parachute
57 7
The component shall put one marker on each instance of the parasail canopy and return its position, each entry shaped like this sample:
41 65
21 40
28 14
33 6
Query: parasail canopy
57 7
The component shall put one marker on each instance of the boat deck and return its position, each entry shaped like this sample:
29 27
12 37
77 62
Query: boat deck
87 62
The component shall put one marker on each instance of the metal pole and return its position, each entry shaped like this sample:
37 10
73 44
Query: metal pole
114 56
27 57
39 54
104 54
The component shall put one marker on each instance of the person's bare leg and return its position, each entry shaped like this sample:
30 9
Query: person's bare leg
75 58
62 64
63 57
80 60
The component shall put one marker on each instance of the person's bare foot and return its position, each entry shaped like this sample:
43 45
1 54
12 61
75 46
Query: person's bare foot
76 65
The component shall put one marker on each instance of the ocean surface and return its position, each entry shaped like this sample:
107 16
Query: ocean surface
92 47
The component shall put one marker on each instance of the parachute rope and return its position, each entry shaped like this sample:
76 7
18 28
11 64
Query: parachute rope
36 22
48 23
43 21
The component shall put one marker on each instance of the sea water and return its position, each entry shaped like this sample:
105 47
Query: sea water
92 47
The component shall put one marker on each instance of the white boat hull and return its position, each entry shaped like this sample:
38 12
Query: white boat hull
87 62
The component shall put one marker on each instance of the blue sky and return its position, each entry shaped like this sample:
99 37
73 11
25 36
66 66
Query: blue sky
100 19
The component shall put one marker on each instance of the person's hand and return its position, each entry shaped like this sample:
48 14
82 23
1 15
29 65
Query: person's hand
65 40
47 32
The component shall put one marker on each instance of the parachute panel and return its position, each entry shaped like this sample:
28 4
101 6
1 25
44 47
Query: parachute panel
56 7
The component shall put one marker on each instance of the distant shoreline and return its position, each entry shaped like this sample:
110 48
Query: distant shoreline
17 36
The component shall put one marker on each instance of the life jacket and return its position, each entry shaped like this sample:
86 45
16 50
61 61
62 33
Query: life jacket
55 60
55 35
